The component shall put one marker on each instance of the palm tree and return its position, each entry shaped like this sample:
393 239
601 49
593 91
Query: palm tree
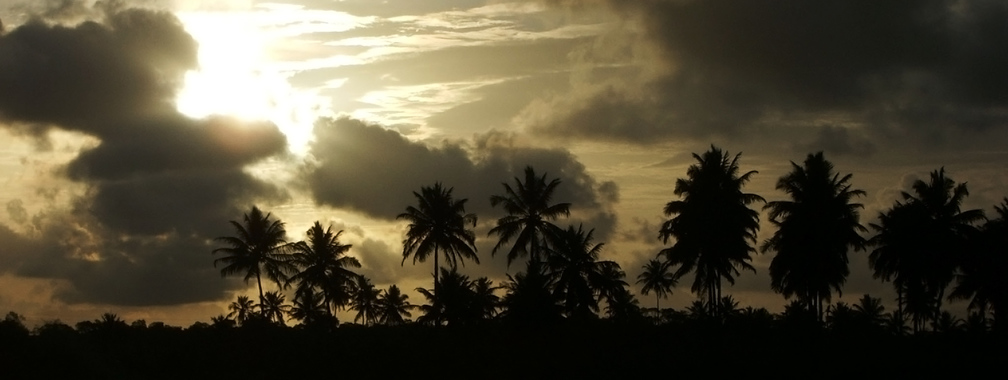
578 273
324 266
275 307
815 229
656 278
870 311
484 302
713 226
921 242
438 225
257 248
529 299
310 307
981 278
365 301
393 307
529 213
241 310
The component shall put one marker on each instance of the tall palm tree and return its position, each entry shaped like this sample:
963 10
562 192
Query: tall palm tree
241 310
437 225
258 247
921 242
529 216
981 278
275 307
713 227
365 301
656 278
393 307
815 229
323 265
579 274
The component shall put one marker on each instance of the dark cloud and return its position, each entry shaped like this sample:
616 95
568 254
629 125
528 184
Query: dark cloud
159 186
905 72
374 170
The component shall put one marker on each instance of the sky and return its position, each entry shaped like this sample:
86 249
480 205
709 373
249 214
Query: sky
131 132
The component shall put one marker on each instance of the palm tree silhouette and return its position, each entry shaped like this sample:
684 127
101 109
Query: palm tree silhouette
324 265
438 225
258 247
310 307
921 243
241 310
656 278
485 302
529 213
814 231
870 311
981 277
579 275
529 299
275 307
713 226
393 307
365 301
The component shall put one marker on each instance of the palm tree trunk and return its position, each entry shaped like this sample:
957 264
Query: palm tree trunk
437 295
262 310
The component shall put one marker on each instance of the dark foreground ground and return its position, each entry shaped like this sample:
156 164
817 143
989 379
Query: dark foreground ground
491 353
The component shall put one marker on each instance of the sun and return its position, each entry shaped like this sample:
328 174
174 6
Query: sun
237 78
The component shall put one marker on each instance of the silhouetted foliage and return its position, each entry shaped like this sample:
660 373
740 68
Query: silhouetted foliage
529 300
656 278
257 248
241 309
712 225
324 267
438 223
394 307
981 278
364 300
275 307
579 276
529 213
921 242
815 229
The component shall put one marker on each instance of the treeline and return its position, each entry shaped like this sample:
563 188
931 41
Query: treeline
925 245
928 247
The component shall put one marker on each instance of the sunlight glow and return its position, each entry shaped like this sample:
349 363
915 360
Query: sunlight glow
236 76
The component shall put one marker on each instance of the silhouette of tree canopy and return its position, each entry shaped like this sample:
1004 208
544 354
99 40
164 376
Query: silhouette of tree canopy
310 307
529 299
815 229
656 278
981 277
438 224
323 265
712 225
258 247
275 307
921 242
578 273
241 310
529 216
461 301
365 301
394 307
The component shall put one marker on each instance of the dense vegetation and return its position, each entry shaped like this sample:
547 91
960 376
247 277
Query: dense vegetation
568 305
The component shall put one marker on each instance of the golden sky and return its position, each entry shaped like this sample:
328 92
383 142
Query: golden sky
131 132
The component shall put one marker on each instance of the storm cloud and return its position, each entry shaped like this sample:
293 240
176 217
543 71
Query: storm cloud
158 185
374 170
896 72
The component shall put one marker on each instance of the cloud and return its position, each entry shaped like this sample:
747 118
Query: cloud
374 170
158 186
904 73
